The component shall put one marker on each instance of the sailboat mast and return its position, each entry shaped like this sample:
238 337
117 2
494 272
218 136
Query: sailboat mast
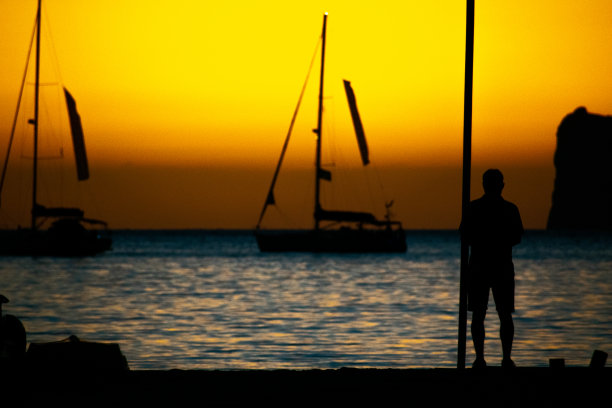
36 98
318 130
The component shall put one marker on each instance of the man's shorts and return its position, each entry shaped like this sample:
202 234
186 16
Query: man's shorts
496 278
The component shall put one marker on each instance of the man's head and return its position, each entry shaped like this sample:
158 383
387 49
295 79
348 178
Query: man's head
493 182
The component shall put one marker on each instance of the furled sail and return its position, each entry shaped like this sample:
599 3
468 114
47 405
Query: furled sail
78 140
361 140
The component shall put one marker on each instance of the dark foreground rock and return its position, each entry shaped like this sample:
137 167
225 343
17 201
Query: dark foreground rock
520 387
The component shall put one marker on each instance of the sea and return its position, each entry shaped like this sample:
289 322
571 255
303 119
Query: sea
211 300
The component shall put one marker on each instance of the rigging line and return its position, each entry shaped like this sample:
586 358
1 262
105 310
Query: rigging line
56 81
287 219
53 134
61 156
270 196
370 196
11 138
381 187
7 220
45 83
53 52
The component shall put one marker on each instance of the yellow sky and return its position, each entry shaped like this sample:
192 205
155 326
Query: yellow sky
212 85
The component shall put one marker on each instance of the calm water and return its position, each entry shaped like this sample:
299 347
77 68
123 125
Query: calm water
204 300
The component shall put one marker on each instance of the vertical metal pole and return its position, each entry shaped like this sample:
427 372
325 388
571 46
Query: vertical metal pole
319 129
467 164
36 101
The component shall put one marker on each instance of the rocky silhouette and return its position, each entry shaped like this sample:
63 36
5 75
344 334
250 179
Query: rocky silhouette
582 196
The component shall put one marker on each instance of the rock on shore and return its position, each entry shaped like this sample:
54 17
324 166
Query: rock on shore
582 196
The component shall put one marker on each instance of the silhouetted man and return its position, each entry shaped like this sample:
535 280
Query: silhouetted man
492 226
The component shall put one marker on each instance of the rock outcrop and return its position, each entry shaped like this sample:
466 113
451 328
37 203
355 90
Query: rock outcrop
582 196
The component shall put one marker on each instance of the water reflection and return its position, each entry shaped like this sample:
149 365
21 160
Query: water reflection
217 303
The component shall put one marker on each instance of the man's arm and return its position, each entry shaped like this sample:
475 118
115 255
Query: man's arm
517 226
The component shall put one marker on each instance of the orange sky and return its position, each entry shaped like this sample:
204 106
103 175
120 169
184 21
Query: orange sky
200 94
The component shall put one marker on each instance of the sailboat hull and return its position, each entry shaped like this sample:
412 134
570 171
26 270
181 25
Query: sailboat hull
345 240
25 242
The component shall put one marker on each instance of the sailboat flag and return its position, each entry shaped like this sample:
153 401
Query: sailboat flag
361 140
78 140
325 174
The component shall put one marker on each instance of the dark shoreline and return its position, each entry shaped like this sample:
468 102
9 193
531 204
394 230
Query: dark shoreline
522 386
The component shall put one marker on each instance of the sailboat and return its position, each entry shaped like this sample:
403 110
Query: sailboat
67 234
334 230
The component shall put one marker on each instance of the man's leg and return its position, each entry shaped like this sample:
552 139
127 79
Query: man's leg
503 293
506 333
478 332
